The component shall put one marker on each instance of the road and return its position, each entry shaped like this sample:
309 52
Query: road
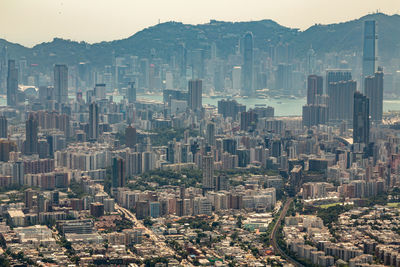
159 243
275 231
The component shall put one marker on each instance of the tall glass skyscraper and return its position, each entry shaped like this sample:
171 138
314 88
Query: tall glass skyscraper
374 91
370 48
247 70
361 119
93 121
12 84
61 83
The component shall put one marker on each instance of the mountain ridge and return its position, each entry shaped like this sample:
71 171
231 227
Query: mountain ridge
166 37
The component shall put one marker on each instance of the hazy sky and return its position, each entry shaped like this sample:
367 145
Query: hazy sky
29 22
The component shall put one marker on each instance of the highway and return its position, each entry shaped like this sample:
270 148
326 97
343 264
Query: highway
275 231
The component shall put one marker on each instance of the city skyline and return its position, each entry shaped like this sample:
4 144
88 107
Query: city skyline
80 21
221 144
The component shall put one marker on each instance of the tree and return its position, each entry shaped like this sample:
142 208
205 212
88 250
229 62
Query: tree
239 222
147 222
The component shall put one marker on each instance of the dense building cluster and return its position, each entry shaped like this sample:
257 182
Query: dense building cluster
128 165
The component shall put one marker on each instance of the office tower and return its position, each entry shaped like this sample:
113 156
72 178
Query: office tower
130 136
12 84
247 69
237 78
31 135
311 61
41 203
374 92
118 172
182 59
61 83
243 155
6 146
315 115
283 53
3 68
46 93
316 110
314 89
93 121
210 134
276 148
222 182
248 120
208 172
90 96
284 77
361 119
144 70
341 100
171 152
169 80
147 161
219 78
18 173
29 194
131 93
197 63
195 95
100 91
179 207
370 48
229 145
3 127
83 79
337 75
230 108
340 90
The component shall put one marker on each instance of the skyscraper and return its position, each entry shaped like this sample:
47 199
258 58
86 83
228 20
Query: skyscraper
31 135
18 173
12 84
130 136
311 61
370 48
237 78
93 121
195 95
374 92
3 127
118 172
210 136
3 68
230 108
208 172
284 77
247 69
340 90
131 93
100 91
61 83
316 111
315 115
314 89
361 119
248 120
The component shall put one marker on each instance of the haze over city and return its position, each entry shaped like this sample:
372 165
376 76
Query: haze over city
102 20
